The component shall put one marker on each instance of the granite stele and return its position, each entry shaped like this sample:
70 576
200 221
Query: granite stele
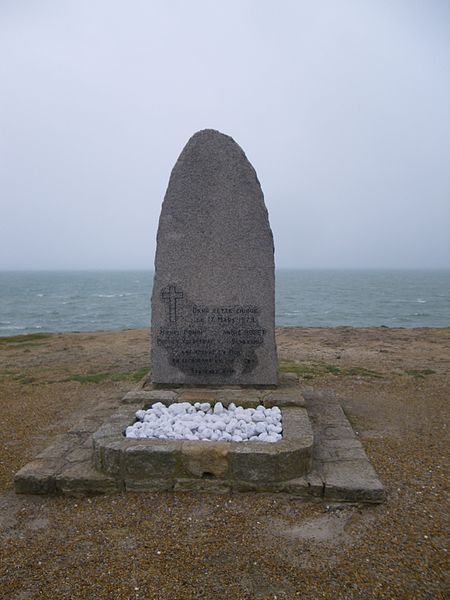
213 303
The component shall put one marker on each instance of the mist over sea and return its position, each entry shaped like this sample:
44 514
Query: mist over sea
54 301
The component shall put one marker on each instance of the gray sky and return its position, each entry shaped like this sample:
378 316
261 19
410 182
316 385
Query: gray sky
343 108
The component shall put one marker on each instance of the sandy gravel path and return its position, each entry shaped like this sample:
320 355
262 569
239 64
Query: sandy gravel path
394 385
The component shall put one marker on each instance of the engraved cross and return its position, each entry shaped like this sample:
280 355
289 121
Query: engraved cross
170 294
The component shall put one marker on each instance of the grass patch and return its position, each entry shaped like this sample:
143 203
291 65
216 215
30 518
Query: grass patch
23 341
333 369
420 373
24 379
133 376
312 370
93 378
362 372
19 339
19 377
303 370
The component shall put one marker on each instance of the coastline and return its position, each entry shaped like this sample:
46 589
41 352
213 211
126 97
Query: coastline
393 384
111 300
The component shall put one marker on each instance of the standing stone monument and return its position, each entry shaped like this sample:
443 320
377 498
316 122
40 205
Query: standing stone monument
213 302
212 324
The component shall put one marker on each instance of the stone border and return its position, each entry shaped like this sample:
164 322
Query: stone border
287 394
340 471
339 458
140 460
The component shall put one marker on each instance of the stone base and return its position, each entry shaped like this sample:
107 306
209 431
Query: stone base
318 458
142 460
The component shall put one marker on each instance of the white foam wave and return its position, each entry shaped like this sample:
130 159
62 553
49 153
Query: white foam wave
105 295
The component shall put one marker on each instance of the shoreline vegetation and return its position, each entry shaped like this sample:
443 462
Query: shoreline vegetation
393 384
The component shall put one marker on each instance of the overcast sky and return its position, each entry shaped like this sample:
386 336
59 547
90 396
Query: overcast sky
343 108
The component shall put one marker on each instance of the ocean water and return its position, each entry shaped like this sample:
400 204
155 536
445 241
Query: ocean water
107 300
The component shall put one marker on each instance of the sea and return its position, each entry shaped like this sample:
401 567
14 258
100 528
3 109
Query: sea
52 301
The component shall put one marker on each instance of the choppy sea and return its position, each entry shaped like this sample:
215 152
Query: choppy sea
107 300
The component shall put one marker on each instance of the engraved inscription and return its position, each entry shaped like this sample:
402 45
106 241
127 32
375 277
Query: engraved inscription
209 340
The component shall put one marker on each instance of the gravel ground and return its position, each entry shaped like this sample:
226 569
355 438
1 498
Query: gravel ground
394 386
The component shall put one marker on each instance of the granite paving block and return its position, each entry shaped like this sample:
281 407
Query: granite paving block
81 479
351 481
149 396
149 485
212 486
37 477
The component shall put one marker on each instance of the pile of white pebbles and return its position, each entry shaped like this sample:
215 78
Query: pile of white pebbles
201 421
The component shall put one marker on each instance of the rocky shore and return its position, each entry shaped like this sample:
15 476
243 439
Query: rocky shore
394 386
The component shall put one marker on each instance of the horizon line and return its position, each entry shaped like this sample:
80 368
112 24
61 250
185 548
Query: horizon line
150 270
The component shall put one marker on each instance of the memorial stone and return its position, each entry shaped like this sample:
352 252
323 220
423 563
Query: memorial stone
213 301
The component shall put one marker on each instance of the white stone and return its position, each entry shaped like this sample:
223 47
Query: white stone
201 422
177 409
260 427
258 416
250 429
